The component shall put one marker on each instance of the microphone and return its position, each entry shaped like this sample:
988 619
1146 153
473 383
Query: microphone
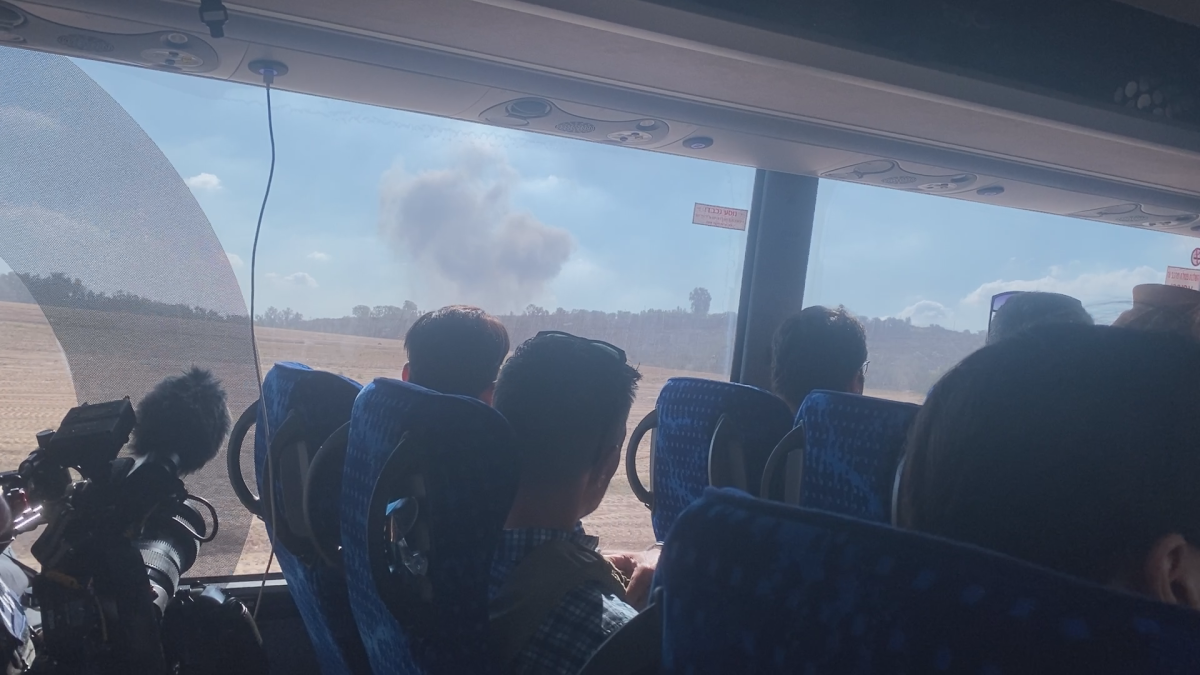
182 421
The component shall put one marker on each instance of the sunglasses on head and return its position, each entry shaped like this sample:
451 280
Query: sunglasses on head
614 350
998 301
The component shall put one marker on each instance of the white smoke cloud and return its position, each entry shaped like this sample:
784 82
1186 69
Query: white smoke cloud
203 181
318 256
467 241
235 260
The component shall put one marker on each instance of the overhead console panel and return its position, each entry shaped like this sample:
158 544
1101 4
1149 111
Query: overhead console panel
714 80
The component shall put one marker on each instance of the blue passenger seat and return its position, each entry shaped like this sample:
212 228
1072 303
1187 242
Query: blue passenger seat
305 408
429 479
842 455
751 586
704 432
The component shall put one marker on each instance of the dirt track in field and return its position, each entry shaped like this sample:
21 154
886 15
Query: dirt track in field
36 390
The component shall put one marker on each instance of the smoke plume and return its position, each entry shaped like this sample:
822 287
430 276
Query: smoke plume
466 240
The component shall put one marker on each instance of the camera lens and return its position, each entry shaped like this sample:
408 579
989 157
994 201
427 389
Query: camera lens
169 550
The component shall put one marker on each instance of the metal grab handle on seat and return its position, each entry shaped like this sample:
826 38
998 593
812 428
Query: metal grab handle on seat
727 457
650 421
281 504
233 460
327 465
896 491
792 442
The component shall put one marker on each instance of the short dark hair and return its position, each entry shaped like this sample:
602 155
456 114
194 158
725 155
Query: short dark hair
456 350
563 396
819 348
1035 308
1074 447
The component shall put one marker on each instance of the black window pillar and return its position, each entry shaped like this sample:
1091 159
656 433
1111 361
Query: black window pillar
777 246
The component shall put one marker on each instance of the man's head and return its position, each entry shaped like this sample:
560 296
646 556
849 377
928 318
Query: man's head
1022 311
568 400
1162 308
456 350
1074 447
819 348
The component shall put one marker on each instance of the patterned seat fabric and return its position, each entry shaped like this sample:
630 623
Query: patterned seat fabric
852 447
323 402
688 412
759 587
470 481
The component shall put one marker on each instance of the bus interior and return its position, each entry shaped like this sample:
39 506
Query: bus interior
672 176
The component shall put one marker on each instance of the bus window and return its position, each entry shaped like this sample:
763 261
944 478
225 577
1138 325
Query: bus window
920 271
375 217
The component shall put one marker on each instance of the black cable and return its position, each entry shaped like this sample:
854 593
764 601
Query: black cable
254 264
268 78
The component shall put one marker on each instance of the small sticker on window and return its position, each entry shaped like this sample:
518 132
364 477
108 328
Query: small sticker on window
720 216
1182 276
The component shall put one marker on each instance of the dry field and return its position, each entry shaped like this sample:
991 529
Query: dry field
36 390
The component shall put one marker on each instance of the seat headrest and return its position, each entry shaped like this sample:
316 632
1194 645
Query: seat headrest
852 447
468 469
688 412
756 586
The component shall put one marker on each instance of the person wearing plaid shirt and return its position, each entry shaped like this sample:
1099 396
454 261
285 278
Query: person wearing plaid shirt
555 599
585 617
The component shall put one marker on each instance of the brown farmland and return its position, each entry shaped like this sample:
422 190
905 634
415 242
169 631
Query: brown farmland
36 390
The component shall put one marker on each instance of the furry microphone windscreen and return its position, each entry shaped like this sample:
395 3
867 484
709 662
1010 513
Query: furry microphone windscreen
184 417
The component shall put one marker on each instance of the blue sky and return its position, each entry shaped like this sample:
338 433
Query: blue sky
375 206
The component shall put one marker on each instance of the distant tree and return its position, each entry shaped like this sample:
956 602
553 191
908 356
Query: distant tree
386 312
701 301
534 310
409 306
361 312
271 317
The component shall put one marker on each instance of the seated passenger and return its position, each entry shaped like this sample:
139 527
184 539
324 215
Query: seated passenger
1158 307
456 350
1072 447
554 597
1022 311
819 348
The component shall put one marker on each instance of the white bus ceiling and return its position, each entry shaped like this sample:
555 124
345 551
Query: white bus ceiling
697 86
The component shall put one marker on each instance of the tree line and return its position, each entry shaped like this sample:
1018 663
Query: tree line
903 357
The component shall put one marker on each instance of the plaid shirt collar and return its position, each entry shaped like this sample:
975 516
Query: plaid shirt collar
515 544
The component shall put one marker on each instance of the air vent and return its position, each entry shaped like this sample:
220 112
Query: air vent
539 114
529 108
10 18
1140 216
888 173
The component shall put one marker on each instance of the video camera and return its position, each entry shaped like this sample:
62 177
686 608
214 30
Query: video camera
118 539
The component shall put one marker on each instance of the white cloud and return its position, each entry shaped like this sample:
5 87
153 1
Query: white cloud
235 260
1103 294
203 181
12 116
294 280
318 256
928 313
1088 287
